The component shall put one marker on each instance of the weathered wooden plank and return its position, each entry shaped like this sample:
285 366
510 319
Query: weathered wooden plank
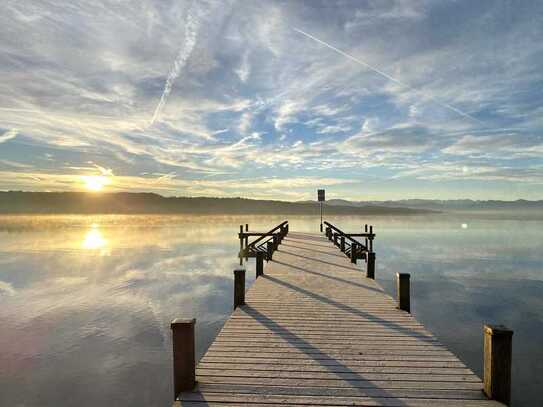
323 363
312 400
344 376
382 384
269 367
373 392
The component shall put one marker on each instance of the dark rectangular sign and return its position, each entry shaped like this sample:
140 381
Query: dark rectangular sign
320 195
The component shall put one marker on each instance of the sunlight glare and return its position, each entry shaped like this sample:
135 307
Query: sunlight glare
95 183
94 239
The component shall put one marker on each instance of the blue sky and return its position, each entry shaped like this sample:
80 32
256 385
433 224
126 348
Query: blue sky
274 99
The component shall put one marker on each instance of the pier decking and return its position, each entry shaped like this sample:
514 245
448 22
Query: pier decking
315 331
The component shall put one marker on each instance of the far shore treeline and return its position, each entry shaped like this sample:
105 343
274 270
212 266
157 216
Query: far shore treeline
15 202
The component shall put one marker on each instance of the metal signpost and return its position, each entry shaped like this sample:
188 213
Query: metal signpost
320 198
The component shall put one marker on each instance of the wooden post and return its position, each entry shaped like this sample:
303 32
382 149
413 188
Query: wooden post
246 242
371 240
259 264
366 242
240 245
184 363
275 242
403 288
328 231
342 244
370 265
286 229
269 247
353 252
239 287
497 363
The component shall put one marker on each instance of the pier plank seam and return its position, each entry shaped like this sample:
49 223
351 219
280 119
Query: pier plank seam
315 331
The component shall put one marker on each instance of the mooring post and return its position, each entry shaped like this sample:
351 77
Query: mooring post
353 252
239 287
497 363
342 244
184 363
259 264
403 291
370 265
269 248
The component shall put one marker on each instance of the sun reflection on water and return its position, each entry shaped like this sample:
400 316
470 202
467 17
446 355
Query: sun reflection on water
94 239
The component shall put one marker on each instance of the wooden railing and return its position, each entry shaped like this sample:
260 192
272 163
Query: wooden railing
265 243
353 248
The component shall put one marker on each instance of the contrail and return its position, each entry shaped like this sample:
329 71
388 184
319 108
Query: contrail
191 33
385 75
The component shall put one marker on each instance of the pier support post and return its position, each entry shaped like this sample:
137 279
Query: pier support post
184 363
370 265
259 264
342 244
497 363
269 248
239 287
354 248
403 291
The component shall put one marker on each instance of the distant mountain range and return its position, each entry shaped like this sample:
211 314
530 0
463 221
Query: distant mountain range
14 202
444 205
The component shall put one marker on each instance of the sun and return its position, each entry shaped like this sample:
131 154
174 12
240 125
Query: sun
95 183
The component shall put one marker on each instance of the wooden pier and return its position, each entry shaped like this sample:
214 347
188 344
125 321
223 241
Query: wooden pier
316 329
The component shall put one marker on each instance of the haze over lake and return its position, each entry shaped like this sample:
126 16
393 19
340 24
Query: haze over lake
86 301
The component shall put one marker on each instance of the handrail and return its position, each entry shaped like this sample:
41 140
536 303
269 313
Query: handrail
264 234
274 235
348 245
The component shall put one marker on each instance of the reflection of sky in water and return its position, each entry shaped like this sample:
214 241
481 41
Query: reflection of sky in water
85 302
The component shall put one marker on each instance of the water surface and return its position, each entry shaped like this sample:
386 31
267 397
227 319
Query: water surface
86 301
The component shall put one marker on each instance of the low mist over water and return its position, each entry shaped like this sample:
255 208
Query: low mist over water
86 301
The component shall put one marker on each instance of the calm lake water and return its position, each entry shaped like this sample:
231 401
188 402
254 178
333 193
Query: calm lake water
86 301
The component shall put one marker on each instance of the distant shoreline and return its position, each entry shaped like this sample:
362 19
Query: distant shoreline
127 203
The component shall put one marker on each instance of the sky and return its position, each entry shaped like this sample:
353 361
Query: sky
371 100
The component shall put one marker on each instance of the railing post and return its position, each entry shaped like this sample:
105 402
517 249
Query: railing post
184 363
239 287
370 265
371 239
328 232
275 242
259 264
246 242
497 363
240 245
269 248
366 241
403 291
353 252
286 229
342 244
